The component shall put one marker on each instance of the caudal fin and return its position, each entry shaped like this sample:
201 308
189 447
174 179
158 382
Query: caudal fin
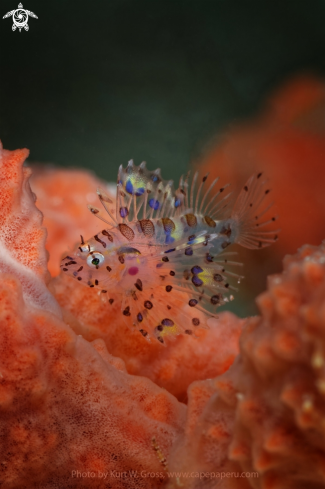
251 207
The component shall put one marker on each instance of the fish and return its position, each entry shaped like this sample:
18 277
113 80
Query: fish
164 252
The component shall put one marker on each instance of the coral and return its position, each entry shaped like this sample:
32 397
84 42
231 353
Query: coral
174 367
65 404
63 195
266 413
22 238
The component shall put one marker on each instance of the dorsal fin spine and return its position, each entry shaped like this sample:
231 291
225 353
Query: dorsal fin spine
202 210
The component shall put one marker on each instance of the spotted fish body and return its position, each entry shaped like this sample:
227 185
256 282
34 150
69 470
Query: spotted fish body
165 251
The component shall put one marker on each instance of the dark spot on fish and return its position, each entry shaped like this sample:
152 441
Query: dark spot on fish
246 188
159 338
148 305
209 221
72 262
169 251
165 259
168 288
140 317
121 259
221 190
65 269
197 281
126 311
226 285
226 231
79 278
168 307
147 227
217 277
196 269
192 302
160 327
96 282
126 231
191 220
143 332
111 301
172 273
168 224
190 238
138 284
196 321
167 322
108 268
259 175
100 241
267 191
104 291
188 331
124 212
79 269
188 251
209 258
225 244
186 274
215 299
204 178
109 236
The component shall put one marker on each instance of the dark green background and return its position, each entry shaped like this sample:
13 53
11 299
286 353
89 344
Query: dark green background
96 83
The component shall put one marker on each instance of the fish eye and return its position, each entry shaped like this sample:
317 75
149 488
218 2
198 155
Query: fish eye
95 260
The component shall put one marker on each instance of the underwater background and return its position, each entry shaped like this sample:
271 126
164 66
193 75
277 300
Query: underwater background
93 84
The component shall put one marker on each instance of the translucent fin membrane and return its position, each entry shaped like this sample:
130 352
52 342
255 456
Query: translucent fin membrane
208 199
143 194
250 209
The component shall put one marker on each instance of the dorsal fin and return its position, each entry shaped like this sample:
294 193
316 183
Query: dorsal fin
143 194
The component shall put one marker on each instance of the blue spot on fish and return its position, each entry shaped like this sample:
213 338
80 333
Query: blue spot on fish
154 204
167 322
129 187
140 191
169 239
169 251
123 212
177 203
195 270
197 281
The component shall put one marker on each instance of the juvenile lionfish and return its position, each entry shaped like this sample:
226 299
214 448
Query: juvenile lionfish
164 250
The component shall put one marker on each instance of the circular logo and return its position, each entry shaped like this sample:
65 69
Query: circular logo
20 18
